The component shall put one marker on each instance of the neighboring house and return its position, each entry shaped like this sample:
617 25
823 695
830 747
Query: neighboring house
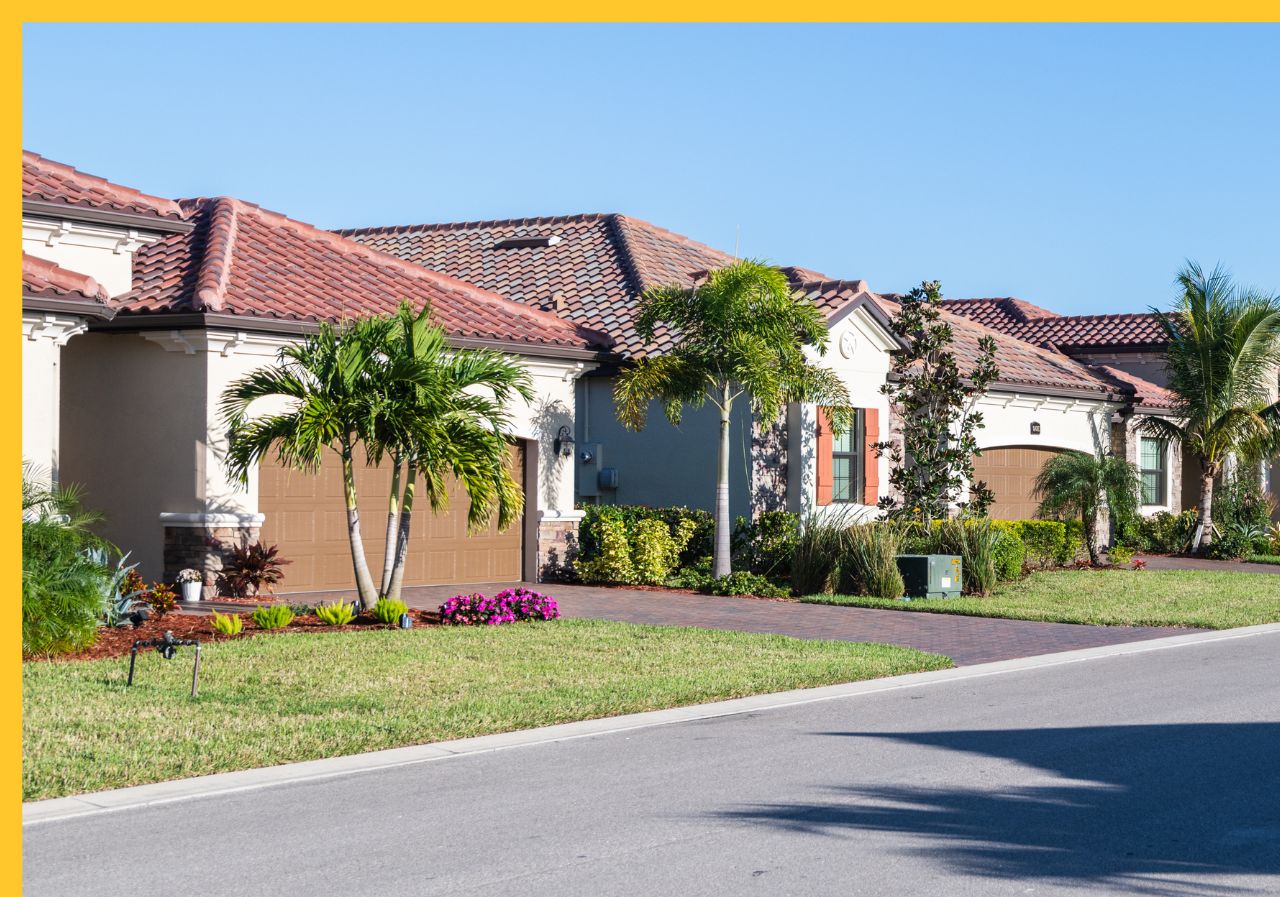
1131 346
593 269
138 311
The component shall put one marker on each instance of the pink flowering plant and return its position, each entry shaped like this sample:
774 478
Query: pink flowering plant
508 606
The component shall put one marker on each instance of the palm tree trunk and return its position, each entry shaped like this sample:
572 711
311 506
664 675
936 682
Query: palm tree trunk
402 537
1090 522
393 522
1204 526
364 579
722 566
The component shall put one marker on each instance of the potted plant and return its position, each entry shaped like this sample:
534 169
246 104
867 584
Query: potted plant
191 582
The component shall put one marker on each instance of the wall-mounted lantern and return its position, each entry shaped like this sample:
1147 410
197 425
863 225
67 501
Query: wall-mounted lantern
564 442
1035 428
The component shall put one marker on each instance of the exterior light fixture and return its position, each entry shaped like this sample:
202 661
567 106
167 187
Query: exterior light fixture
1035 428
564 442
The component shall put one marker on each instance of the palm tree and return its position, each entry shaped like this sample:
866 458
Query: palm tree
332 398
1224 350
741 332
444 418
390 384
1079 483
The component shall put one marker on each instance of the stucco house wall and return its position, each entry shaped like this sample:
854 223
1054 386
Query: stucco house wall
662 465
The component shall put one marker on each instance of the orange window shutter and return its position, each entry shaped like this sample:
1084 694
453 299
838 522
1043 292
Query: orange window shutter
870 461
826 477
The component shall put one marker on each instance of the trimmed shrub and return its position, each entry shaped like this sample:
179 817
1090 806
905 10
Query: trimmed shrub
508 606
388 610
702 529
1010 550
869 563
339 613
1045 541
612 559
766 545
655 551
1166 533
227 624
272 616
696 576
744 582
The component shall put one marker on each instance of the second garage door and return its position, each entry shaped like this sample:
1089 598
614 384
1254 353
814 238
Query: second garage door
1011 474
306 518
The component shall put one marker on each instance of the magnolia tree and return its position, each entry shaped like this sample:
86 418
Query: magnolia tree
929 468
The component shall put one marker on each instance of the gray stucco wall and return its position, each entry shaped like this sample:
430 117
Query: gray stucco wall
662 465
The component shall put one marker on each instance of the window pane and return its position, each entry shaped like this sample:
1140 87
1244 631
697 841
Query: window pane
843 442
842 480
1151 491
1152 454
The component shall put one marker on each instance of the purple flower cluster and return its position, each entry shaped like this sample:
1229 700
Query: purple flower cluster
508 606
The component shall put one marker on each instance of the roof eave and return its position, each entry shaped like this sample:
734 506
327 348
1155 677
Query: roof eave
165 320
84 308
39 208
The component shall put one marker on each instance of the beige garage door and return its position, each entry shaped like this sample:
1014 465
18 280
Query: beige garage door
1011 473
307 519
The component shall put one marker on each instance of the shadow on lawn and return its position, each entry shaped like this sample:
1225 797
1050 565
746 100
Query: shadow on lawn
1160 809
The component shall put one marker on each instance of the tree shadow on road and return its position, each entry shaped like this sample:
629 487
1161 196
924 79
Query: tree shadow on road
1154 809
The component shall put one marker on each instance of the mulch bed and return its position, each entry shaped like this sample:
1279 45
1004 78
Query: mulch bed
673 591
117 642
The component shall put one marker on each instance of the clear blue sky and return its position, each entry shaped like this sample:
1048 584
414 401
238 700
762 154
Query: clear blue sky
1073 166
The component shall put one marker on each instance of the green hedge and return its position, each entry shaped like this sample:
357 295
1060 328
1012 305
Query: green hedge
699 544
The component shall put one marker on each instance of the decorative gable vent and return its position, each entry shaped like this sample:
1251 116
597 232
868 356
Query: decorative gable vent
526 242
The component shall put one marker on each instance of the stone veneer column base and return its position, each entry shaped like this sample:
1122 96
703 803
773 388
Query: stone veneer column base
557 545
203 542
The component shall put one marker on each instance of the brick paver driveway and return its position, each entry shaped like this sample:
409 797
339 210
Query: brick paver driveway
966 640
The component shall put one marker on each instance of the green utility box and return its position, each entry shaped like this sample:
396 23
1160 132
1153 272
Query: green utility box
930 575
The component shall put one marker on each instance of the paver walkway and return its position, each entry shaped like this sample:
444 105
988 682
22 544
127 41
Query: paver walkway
1162 562
966 640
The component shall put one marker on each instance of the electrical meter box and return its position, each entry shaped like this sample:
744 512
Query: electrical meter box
930 575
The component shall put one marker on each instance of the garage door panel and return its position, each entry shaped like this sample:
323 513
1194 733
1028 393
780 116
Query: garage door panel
1011 472
306 519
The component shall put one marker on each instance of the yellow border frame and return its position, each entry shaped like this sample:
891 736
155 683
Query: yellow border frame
501 10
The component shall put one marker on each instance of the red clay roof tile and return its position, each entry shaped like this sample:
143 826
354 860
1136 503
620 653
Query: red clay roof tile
592 269
43 278
49 181
1044 328
241 259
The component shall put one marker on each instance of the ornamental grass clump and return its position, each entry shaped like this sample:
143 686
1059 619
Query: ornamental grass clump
508 606
869 564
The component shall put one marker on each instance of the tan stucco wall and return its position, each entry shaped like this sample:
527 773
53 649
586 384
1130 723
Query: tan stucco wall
43 337
141 431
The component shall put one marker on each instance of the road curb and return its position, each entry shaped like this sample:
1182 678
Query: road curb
63 808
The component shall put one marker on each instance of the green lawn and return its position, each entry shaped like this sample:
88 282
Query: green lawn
280 698
1112 598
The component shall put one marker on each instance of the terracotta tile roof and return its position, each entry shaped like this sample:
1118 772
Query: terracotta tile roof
43 278
53 182
1044 328
590 269
1020 363
1147 393
241 259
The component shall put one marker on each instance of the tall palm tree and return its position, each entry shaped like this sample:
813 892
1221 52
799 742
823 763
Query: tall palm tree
391 385
1222 360
741 332
444 418
332 397
1078 483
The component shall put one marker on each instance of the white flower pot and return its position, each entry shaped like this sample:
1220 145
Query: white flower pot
192 591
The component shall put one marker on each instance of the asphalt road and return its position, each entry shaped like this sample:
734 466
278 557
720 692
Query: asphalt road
1155 774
